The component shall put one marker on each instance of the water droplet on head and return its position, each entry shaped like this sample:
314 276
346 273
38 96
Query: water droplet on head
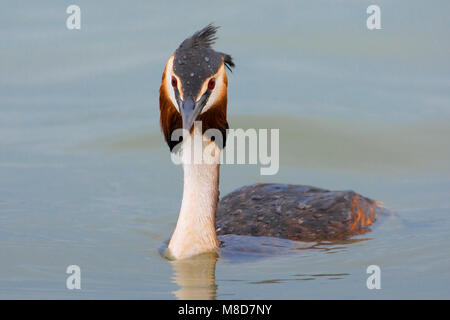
180 62
206 59
192 74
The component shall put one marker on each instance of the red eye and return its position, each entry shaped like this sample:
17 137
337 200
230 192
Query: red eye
174 81
211 84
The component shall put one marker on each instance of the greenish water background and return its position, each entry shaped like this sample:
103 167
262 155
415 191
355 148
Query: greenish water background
86 179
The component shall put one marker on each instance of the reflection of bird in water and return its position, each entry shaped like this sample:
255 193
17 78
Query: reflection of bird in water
196 277
194 88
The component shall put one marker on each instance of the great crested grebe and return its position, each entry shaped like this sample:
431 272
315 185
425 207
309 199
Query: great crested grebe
194 88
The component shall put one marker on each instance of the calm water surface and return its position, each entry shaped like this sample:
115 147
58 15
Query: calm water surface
86 179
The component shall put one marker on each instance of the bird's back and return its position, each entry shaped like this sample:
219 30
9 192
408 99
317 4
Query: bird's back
295 212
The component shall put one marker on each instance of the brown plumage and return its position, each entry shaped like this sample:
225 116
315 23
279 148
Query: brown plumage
295 212
170 118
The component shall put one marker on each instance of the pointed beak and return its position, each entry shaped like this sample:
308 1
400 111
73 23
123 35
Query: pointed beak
187 113
190 110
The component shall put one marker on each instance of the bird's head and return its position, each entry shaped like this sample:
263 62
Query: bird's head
194 86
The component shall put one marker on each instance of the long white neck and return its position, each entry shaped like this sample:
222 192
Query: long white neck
195 232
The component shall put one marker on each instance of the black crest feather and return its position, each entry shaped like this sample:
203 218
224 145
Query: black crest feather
228 60
205 39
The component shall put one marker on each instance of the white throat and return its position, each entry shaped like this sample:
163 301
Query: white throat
195 232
